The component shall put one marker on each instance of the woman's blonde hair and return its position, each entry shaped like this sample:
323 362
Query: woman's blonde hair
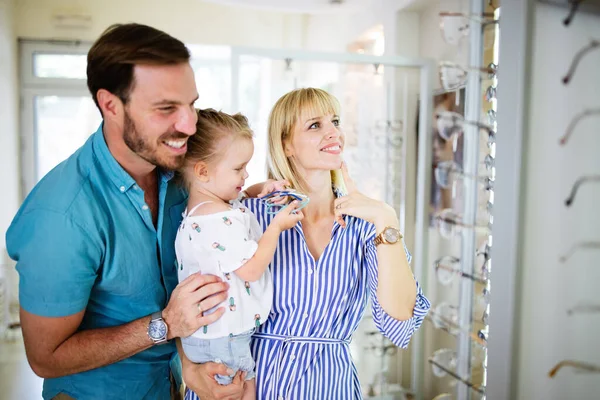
211 128
286 113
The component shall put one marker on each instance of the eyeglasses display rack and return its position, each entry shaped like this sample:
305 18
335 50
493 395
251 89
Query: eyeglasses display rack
468 177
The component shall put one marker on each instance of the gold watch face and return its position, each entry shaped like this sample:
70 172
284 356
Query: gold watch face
391 235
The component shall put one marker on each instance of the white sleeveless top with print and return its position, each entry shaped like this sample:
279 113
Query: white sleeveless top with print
218 244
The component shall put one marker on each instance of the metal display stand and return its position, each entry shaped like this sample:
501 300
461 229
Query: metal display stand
470 193
458 364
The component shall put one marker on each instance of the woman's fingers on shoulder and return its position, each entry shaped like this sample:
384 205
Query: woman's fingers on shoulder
290 208
281 185
340 200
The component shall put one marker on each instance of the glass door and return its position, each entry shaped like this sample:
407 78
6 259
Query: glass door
58 122
57 111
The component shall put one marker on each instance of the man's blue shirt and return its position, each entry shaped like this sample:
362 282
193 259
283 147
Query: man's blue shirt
84 239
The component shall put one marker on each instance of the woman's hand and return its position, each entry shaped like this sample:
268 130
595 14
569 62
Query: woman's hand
360 206
271 186
266 187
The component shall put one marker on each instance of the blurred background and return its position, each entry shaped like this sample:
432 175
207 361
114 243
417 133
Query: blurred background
453 111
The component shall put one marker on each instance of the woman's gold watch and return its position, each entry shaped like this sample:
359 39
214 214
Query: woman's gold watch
390 235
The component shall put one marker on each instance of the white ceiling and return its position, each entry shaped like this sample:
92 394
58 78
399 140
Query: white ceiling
301 6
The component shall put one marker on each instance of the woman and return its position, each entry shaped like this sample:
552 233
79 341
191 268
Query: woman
325 267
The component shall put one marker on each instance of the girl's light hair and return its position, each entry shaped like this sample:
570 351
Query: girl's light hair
286 113
211 128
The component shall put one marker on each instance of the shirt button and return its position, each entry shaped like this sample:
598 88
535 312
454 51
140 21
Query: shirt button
280 398
305 315
293 357
145 207
310 271
122 189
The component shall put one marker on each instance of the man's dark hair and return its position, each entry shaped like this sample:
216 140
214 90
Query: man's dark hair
111 59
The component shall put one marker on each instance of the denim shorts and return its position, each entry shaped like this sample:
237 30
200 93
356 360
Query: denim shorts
233 351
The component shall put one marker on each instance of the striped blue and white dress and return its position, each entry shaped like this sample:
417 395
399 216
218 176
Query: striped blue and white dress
301 350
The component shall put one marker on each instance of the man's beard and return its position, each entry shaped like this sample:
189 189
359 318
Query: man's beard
141 146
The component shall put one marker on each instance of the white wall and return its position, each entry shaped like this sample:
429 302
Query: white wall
549 228
8 128
327 33
192 21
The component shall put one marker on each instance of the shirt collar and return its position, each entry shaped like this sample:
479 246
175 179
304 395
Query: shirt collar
120 178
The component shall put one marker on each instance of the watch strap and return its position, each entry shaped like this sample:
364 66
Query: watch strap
156 316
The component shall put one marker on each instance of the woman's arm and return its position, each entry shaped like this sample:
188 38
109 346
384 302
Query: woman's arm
397 289
398 331
399 306
266 187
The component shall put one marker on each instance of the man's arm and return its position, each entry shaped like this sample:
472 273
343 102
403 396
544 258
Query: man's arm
55 348
60 351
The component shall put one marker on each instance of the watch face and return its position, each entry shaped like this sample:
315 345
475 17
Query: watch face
391 235
157 330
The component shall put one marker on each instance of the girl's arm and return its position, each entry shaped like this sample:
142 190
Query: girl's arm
254 268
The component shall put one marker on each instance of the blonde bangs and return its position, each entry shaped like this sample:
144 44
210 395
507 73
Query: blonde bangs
315 104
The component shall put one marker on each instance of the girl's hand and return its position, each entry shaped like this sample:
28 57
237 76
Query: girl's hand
360 206
287 218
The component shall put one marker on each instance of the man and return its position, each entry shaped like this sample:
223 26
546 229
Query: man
94 239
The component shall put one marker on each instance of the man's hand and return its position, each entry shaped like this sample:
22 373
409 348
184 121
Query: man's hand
63 349
200 378
196 294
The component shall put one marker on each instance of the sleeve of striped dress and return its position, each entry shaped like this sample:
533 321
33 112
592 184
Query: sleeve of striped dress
398 332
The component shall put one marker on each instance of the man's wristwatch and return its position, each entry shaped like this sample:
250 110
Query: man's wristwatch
157 328
389 235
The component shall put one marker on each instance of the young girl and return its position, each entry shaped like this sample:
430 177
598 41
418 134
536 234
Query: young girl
220 237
